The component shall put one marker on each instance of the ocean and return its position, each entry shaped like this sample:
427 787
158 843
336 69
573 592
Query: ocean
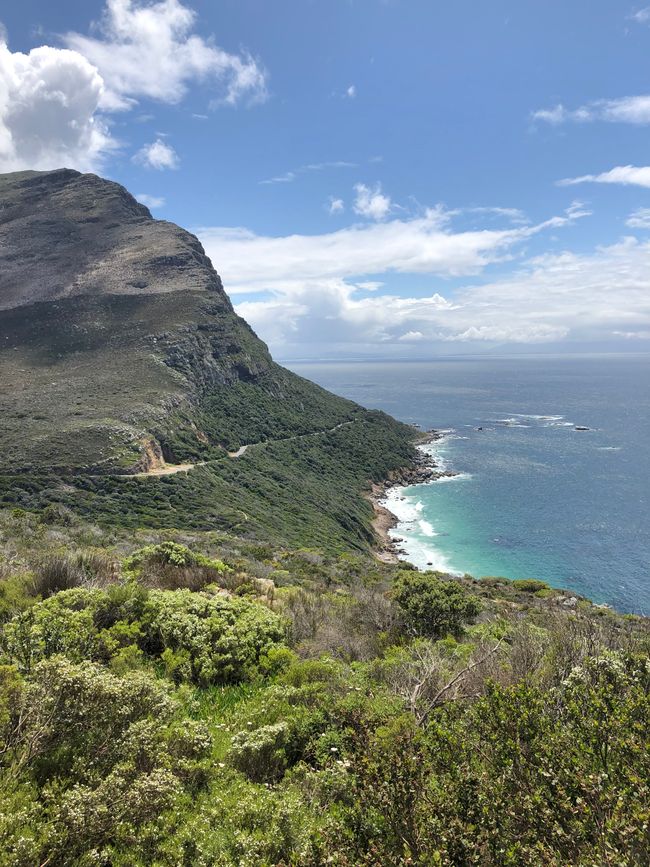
534 497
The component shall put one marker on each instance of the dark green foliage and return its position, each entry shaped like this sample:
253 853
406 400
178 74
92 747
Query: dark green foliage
433 606
145 726
530 585
305 491
521 777
198 637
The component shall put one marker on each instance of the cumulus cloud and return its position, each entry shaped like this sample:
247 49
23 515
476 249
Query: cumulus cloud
48 103
625 109
335 206
157 155
639 219
316 293
351 92
150 50
54 102
150 201
627 175
370 202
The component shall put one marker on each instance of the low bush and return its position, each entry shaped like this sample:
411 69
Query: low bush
170 566
530 585
198 637
433 606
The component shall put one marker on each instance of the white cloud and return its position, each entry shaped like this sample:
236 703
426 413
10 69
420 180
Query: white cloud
335 206
48 104
351 92
423 245
411 337
626 109
290 176
639 219
642 16
150 201
150 50
627 175
634 335
600 296
515 215
52 99
157 155
314 293
371 202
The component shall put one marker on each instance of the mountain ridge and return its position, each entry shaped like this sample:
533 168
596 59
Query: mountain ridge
120 352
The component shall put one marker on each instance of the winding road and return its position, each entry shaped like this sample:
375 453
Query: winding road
172 469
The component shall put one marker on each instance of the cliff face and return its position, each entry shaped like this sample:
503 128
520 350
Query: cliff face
64 234
116 337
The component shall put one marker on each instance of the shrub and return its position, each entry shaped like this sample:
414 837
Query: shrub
224 638
530 585
56 572
261 754
110 750
202 638
170 566
433 607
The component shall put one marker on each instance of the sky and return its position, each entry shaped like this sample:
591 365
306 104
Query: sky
371 178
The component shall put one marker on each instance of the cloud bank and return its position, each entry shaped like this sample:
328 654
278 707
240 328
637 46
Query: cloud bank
312 294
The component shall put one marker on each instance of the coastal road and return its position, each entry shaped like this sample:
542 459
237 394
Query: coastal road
172 469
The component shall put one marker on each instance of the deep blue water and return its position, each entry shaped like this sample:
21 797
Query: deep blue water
535 497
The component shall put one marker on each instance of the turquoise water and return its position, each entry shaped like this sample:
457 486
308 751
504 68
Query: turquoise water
534 497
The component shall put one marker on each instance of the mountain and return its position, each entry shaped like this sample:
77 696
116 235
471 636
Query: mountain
129 386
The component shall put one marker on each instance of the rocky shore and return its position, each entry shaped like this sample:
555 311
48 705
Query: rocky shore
423 470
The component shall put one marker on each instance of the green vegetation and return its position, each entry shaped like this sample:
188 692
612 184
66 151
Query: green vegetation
209 668
195 698
305 491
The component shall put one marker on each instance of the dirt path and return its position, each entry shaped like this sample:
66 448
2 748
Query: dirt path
172 469
241 450
167 470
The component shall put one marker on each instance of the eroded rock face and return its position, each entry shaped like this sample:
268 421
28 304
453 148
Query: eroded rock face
65 234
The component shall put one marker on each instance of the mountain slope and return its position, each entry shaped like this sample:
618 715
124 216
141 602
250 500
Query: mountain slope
120 353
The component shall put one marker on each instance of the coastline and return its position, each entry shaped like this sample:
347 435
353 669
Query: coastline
423 470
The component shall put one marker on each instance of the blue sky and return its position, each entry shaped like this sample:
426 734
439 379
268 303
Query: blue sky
383 178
